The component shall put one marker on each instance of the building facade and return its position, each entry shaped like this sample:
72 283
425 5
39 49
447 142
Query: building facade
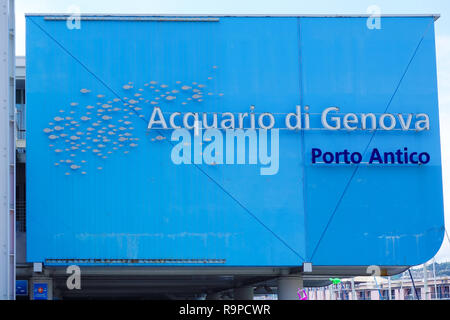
154 228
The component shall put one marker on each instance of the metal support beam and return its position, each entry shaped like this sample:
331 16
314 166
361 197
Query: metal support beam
389 288
425 282
434 278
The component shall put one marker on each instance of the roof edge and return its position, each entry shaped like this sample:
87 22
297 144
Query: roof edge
436 16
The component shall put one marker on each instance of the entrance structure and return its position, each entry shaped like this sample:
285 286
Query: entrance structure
104 193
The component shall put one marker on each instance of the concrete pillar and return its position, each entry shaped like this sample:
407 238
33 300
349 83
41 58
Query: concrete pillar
389 288
213 296
332 293
425 282
243 293
353 289
288 287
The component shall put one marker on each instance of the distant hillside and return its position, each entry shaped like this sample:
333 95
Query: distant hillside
442 270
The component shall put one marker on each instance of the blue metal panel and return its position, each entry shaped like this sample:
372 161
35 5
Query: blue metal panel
140 205
387 215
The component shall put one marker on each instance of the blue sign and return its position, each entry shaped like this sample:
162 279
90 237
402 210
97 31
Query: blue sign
352 177
40 291
21 287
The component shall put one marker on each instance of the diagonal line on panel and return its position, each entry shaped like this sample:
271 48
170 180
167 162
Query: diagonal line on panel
197 166
347 185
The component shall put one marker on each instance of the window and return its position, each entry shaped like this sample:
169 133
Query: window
419 293
20 96
361 295
408 294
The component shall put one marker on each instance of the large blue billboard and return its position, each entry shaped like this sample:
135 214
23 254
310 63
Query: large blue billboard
233 141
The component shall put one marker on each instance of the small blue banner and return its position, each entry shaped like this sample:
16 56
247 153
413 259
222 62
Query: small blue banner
40 291
21 287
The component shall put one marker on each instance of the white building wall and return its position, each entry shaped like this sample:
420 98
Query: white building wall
7 151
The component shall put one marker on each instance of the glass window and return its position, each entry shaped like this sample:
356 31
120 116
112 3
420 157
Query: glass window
20 113
20 96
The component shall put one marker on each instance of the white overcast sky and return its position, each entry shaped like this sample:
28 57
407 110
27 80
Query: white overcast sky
281 7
